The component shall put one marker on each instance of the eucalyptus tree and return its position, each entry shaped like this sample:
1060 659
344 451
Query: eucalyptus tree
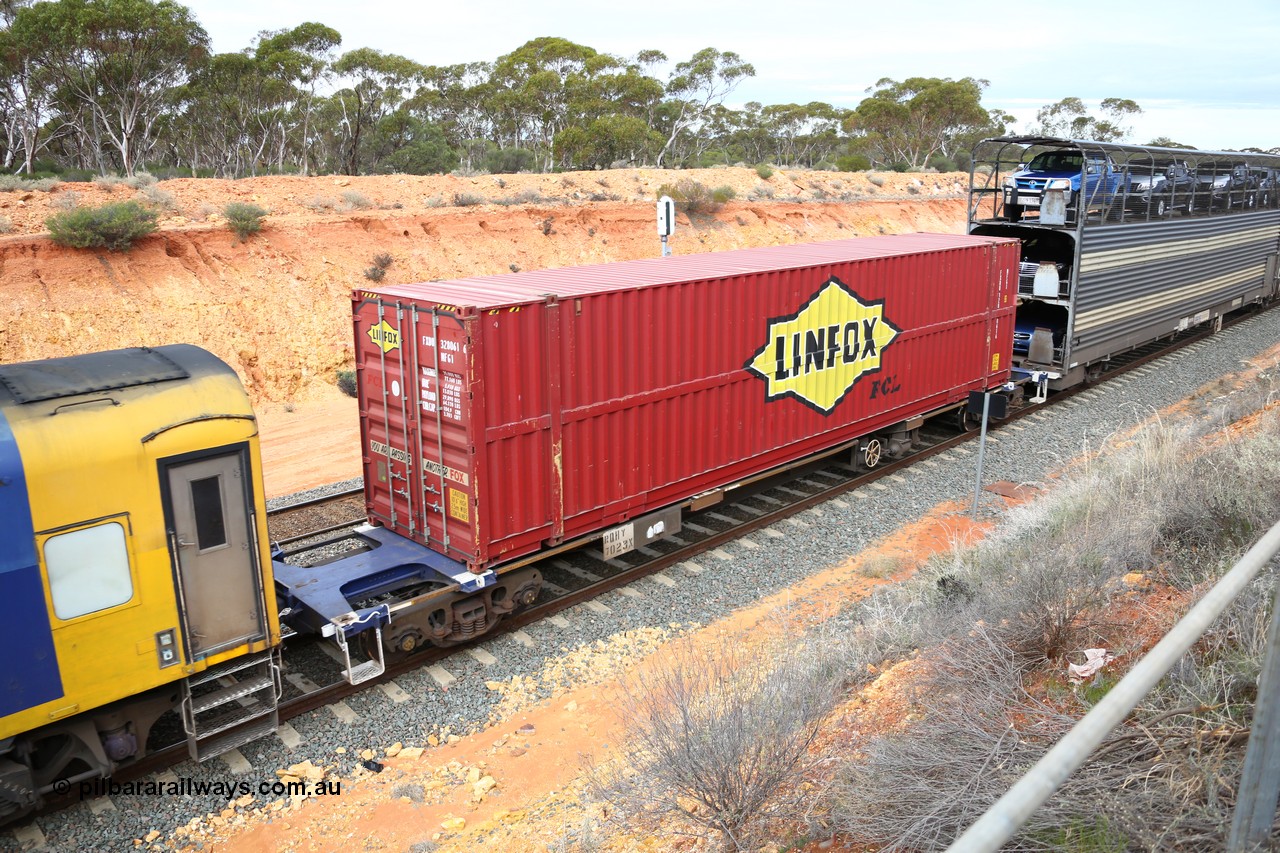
1071 119
910 121
302 57
114 63
26 94
380 84
458 99
804 134
697 86
230 112
536 87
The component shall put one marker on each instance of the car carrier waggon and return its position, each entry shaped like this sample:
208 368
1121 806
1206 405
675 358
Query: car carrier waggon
1100 275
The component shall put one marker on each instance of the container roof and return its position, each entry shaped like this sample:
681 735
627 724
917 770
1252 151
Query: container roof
568 282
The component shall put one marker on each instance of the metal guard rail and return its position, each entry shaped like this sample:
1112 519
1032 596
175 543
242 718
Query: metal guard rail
1011 811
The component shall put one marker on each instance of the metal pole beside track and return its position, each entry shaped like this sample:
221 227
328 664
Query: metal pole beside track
982 452
1012 810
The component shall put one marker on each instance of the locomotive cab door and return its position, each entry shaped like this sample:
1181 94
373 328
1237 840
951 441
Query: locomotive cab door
211 531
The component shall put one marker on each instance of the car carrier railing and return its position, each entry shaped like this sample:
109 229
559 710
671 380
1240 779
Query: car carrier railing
1260 779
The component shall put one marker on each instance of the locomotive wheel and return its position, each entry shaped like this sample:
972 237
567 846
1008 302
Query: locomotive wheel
869 454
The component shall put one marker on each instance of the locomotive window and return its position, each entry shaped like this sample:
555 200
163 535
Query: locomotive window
88 570
206 503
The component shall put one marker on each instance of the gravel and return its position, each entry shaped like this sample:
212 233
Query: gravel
825 536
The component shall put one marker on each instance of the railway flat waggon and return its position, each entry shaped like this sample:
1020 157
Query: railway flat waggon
508 414
131 510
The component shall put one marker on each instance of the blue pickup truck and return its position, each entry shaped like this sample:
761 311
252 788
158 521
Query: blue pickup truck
1090 176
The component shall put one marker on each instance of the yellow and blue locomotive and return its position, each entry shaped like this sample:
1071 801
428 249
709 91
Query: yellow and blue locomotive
133 565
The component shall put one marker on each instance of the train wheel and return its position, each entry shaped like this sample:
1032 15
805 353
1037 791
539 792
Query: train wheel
869 454
967 421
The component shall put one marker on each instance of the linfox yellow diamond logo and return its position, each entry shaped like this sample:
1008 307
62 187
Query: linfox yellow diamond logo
819 353
385 336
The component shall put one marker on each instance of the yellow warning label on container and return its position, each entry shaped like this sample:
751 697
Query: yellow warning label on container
459 507
995 362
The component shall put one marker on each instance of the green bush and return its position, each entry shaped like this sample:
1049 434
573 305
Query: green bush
694 197
113 226
347 382
942 163
764 170
244 219
508 161
853 163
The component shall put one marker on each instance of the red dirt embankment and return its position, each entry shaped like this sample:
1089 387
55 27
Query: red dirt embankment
277 306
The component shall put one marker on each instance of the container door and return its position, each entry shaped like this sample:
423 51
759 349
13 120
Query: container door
211 538
441 422
415 413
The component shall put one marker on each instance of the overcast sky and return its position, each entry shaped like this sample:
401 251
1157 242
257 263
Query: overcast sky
1205 75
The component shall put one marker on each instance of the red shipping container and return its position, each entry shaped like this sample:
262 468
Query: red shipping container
502 415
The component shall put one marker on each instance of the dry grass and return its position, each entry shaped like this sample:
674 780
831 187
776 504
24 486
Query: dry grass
1007 613
715 735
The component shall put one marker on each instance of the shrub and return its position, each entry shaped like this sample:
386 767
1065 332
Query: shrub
347 382
12 183
509 160
68 200
382 260
942 163
694 197
713 735
162 199
244 219
853 163
467 199
6 225
356 200
375 273
765 171
113 226
875 179
140 180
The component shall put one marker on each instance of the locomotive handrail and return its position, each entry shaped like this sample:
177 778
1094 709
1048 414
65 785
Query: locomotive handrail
999 823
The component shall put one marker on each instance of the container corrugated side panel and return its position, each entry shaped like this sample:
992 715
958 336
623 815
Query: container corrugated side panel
517 470
644 398
657 404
